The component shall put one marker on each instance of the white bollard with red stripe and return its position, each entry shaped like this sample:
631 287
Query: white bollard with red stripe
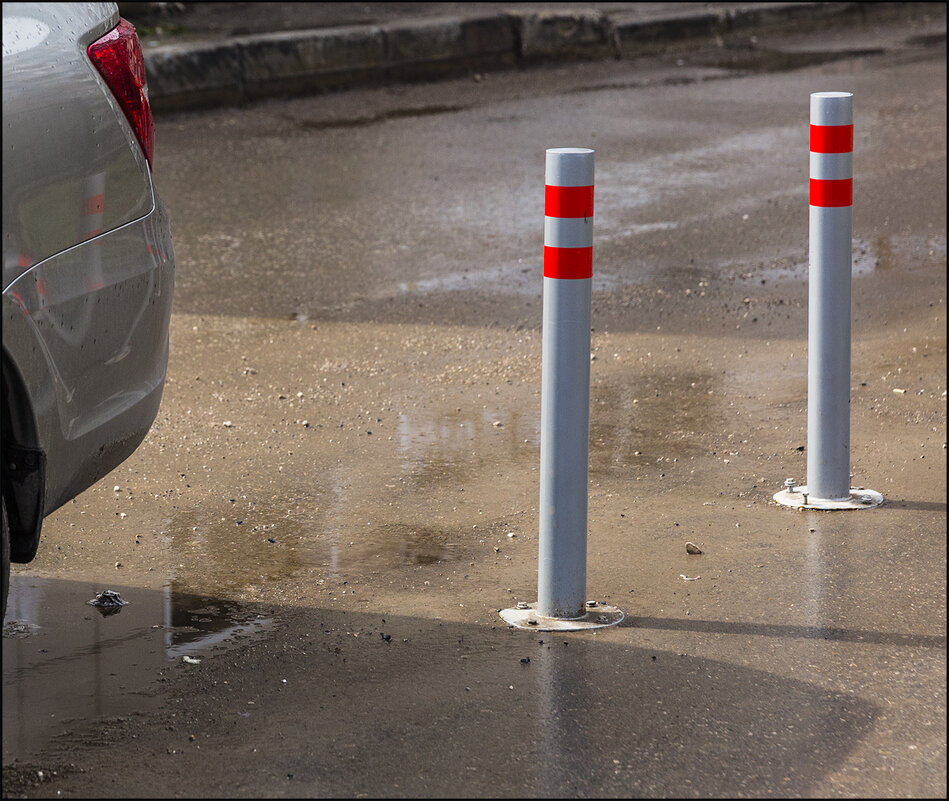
828 366
565 402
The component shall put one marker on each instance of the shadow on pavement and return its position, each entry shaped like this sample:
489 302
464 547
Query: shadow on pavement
333 702
787 632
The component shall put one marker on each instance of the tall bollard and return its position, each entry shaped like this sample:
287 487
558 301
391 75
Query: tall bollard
828 333
828 339
565 383
565 402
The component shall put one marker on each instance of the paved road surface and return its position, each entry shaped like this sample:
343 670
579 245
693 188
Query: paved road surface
341 488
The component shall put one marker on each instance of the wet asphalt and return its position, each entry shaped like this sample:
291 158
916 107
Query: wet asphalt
340 491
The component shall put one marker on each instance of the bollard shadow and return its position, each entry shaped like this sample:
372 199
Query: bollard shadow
915 506
350 703
786 632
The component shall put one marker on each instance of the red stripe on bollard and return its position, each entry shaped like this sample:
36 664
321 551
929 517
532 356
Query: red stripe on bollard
831 193
831 138
568 201
568 262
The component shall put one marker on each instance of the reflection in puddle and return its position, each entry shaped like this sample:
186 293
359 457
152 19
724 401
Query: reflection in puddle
227 559
426 441
409 545
345 519
672 706
196 623
434 454
64 663
231 545
636 424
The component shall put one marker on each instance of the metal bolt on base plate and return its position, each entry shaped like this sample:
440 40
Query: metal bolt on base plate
597 616
799 498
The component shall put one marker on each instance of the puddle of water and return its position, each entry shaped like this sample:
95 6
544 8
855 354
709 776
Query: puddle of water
679 172
330 543
634 424
231 544
408 545
349 522
326 540
425 439
65 662
434 454
197 623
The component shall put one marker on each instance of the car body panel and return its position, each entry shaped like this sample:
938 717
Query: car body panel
88 329
58 111
88 260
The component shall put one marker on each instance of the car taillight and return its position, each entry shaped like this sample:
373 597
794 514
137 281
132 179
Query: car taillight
118 57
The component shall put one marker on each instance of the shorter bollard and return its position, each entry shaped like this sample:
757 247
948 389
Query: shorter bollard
828 308
565 403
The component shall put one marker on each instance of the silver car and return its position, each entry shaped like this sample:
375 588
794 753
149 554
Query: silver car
88 263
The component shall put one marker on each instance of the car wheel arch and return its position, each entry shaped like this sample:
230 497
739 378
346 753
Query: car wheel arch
23 465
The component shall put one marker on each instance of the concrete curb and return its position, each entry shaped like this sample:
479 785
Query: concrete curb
248 68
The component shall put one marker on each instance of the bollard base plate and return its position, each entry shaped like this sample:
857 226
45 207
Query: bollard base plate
597 616
798 497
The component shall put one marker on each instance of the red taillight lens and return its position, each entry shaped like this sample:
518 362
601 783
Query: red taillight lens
118 57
